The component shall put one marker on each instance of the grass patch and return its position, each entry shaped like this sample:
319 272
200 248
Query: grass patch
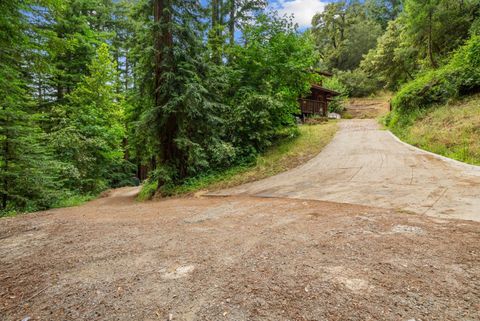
284 155
73 200
451 130
148 191
69 200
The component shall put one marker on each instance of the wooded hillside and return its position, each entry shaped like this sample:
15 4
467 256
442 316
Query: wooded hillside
97 94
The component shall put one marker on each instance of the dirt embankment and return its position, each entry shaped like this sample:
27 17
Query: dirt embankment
363 108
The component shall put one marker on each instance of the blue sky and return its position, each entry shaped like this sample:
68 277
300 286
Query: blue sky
303 10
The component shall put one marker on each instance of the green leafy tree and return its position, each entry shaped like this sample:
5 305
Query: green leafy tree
383 11
436 27
241 13
75 28
337 104
392 61
344 33
183 120
272 74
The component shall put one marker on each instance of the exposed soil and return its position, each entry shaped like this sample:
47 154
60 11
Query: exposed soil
367 107
236 258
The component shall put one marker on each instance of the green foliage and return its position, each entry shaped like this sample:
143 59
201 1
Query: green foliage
358 83
69 199
475 27
217 115
344 32
436 27
460 76
392 61
149 188
272 67
383 11
28 173
90 132
419 35
337 105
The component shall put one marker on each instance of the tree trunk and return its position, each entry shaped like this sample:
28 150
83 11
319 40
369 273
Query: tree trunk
126 70
214 13
430 41
216 31
6 149
231 23
168 153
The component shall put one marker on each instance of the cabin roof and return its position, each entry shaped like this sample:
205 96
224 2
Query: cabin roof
325 90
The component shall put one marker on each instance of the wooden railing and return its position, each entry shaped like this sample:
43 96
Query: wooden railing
316 107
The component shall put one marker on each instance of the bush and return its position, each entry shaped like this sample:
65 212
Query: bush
148 190
460 76
258 120
475 27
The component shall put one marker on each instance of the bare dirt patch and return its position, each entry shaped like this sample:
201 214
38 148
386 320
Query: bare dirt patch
236 258
363 108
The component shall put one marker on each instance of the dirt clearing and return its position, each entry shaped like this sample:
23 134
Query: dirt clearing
362 108
237 258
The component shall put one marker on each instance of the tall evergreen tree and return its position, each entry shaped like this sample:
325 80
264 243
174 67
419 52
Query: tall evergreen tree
183 114
27 171
91 130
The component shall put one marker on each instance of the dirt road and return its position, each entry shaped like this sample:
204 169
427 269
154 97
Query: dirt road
366 165
236 259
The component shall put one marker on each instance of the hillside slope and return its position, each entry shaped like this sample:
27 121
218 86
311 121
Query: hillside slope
452 130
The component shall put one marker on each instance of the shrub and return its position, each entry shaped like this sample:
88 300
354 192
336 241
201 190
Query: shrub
460 76
148 190
259 119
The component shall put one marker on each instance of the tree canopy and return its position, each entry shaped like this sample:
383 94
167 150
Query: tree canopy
95 93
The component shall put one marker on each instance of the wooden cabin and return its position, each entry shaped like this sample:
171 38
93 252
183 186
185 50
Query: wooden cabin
317 102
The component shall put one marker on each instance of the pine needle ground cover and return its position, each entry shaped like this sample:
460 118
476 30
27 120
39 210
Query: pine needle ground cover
284 155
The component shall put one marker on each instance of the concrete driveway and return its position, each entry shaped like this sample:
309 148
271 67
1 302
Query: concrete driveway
369 166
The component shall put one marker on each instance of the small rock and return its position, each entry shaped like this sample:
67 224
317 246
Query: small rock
407 229
334 116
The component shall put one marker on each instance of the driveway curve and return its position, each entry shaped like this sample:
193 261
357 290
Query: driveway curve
369 166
